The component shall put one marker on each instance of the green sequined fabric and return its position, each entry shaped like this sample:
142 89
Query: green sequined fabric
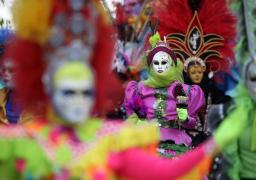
161 96
171 149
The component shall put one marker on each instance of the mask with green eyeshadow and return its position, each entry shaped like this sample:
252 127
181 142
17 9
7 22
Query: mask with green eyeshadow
72 92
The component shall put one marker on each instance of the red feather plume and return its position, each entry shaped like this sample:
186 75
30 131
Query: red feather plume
174 16
102 62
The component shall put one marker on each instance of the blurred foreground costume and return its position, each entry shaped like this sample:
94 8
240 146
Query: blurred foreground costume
241 156
55 61
164 98
66 142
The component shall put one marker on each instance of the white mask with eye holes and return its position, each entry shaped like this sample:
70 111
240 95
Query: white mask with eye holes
161 62
250 80
73 100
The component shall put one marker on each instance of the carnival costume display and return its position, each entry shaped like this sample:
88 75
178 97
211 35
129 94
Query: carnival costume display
66 142
202 34
165 99
73 145
242 155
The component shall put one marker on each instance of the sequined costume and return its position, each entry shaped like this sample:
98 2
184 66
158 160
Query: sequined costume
157 100
160 105
204 42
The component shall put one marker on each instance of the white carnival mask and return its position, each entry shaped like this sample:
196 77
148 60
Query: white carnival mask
251 80
161 62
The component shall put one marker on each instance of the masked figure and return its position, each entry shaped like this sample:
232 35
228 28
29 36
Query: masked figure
204 42
66 146
11 111
241 155
239 158
164 99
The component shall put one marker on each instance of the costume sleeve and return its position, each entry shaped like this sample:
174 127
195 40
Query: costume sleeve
137 164
21 156
196 100
132 102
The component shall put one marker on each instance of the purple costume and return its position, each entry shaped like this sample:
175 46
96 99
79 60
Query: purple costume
160 103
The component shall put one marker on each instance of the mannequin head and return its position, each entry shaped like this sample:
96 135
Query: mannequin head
195 72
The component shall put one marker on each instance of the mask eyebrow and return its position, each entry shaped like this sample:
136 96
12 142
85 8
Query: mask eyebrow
68 92
71 92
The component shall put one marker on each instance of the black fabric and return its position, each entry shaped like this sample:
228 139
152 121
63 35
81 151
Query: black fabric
195 4
217 97
207 85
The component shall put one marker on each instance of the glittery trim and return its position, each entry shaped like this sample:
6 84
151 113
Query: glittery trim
161 96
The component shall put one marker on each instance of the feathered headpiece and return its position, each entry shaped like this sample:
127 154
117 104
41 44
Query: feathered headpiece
199 30
59 30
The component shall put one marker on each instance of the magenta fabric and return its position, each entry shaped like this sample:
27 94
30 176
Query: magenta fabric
151 167
142 98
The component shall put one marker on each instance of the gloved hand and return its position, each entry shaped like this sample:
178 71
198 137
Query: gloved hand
182 114
232 126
